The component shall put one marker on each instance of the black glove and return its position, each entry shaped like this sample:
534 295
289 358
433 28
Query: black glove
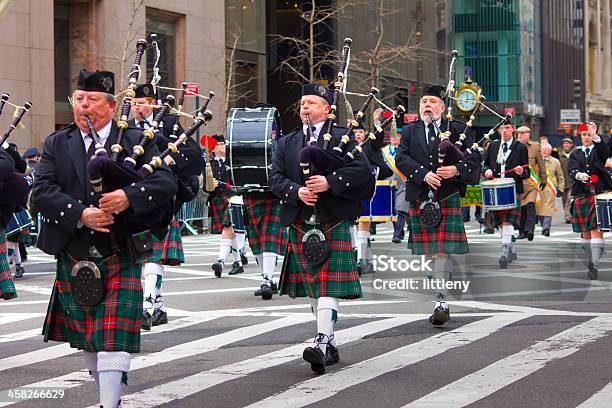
559 193
542 186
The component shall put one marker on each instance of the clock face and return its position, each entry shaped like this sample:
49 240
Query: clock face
466 100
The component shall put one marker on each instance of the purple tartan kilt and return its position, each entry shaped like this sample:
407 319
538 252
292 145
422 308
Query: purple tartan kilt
7 286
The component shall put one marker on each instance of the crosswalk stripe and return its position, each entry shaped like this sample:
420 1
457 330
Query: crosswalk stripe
22 335
331 384
6 318
170 354
190 385
500 374
64 349
601 399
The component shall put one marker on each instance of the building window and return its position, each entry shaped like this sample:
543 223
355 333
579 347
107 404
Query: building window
61 29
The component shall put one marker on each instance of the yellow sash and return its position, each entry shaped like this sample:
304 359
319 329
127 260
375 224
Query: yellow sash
391 162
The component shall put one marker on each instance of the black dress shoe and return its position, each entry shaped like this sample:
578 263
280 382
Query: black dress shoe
396 241
440 315
530 236
19 271
159 317
546 232
489 230
218 268
265 291
274 287
146 322
236 269
521 236
315 356
332 356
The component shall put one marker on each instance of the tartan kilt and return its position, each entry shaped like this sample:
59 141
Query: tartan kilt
584 218
23 237
169 251
336 277
219 213
114 324
448 237
513 216
7 286
263 226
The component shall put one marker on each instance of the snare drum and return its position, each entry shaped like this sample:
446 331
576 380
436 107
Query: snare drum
381 208
19 221
603 210
236 212
498 194
251 134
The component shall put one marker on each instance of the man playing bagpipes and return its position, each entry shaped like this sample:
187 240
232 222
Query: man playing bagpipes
231 242
7 168
319 262
507 158
186 164
532 185
96 302
431 185
587 168
373 152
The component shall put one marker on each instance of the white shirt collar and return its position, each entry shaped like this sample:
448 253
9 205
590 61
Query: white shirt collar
317 127
104 132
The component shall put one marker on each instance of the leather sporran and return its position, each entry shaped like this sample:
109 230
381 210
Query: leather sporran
87 284
431 214
315 247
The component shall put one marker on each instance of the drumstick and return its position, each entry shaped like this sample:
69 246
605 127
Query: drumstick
511 170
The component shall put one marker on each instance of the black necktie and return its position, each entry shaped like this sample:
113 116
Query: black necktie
312 142
91 150
431 133
588 152
505 147
141 124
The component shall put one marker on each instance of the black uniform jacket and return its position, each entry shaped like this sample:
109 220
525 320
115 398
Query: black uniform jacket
220 173
593 165
286 179
62 191
415 158
518 157
7 168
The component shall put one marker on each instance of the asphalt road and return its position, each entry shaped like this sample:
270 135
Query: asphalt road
534 335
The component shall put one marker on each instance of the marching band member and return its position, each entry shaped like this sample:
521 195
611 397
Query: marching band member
531 185
7 286
231 242
185 164
74 229
336 278
567 147
555 183
508 158
374 155
417 158
401 205
587 168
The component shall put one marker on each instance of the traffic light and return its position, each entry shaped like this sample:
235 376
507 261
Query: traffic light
577 90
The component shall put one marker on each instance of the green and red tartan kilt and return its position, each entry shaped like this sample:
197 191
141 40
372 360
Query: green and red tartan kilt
513 216
219 213
448 237
7 286
114 324
584 218
263 226
23 237
336 277
169 251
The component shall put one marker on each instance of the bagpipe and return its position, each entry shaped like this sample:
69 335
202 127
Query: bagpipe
108 174
14 190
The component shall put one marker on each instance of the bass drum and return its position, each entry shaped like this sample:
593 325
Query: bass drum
251 134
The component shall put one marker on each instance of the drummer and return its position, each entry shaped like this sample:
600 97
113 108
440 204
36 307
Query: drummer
586 166
507 158
364 264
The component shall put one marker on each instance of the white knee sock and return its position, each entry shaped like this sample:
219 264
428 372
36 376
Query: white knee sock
597 245
269 262
239 241
362 244
440 273
327 313
91 363
225 248
236 255
260 263
111 366
151 271
586 243
16 255
353 230
507 232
